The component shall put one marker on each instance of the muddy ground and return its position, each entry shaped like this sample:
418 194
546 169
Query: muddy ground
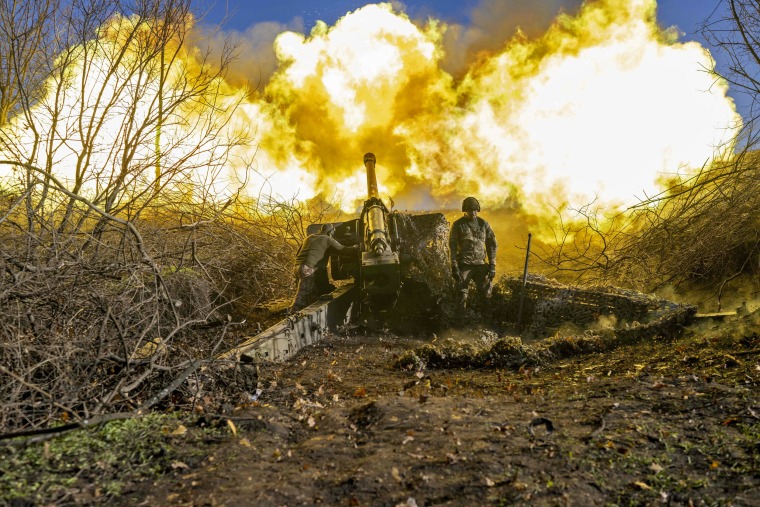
673 422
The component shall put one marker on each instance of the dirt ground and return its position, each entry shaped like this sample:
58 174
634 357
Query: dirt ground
661 423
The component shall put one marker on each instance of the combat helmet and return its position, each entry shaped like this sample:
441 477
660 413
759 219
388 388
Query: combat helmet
470 204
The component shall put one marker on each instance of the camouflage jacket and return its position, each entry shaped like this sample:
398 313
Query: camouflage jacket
472 242
314 248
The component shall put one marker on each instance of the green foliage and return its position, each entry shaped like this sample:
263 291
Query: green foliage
100 461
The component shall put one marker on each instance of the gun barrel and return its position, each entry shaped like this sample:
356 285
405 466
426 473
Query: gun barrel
377 239
380 266
377 231
369 164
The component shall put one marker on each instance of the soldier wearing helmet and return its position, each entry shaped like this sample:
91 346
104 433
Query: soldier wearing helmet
473 247
311 261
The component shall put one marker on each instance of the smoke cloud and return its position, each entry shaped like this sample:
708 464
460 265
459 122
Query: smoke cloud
533 104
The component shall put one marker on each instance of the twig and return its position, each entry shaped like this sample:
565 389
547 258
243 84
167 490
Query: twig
3 369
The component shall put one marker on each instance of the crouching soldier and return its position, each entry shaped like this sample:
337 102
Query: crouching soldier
473 246
311 256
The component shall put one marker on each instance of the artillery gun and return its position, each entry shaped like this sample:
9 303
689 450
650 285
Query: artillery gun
402 257
377 271
403 269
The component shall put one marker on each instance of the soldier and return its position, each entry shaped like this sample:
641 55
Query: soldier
310 256
473 255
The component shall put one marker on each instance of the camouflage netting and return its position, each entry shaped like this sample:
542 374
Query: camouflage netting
424 248
583 320
426 297
549 304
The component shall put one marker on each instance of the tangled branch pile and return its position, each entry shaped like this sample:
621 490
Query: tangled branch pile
701 234
96 321
125 253
704 232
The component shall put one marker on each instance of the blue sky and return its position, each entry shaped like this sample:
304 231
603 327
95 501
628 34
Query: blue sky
247 12
686 14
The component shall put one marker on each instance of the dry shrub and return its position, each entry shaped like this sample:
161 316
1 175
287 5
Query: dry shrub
700 239
125 248
704 233
98 324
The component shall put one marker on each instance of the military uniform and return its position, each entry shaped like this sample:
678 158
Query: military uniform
310 258
473 247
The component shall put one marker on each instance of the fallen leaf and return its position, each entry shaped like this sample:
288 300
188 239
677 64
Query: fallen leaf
179 464
360 393
153 347
245 442
490 483
642 485
395 474
231 424
654 467
181 430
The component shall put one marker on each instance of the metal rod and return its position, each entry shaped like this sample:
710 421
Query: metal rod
524 283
